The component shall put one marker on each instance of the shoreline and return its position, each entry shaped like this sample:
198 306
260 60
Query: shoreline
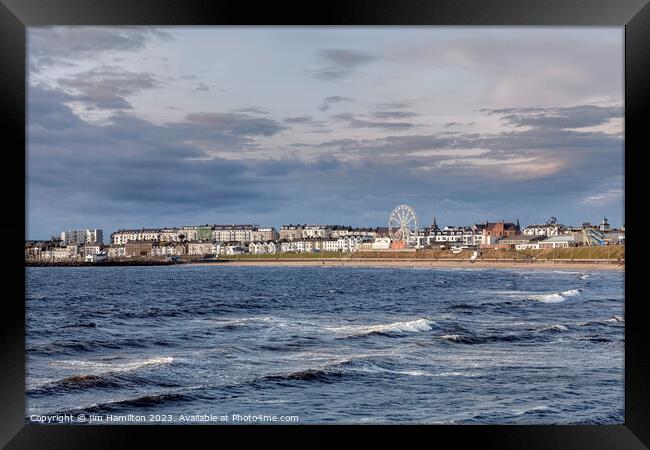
397 263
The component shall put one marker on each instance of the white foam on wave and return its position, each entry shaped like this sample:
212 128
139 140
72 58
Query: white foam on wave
571 292
555 328
616 319
377 369
585 276
102 367
412 326
534 408
548 298
450 337
557 297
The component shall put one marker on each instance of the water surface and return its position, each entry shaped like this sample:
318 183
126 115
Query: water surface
328 344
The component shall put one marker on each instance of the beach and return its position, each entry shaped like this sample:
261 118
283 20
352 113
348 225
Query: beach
421 263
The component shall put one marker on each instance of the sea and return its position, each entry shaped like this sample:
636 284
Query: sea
324 345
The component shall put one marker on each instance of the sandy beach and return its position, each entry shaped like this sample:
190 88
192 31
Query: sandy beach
401 263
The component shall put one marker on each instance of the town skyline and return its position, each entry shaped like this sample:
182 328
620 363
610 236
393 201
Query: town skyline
140 127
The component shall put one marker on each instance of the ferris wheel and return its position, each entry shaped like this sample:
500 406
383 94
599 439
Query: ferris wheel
403 224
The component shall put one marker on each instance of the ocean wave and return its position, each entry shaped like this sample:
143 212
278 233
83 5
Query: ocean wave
470 338
616 319
74 346
74 383
556 297
373 368
571 292
81 325
130 403
555 328
324 373
411 326
548 298
534 410
99 375
104 367
612 321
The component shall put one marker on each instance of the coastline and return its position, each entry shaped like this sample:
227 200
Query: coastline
401 263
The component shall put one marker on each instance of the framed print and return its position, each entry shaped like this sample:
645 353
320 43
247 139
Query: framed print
361 216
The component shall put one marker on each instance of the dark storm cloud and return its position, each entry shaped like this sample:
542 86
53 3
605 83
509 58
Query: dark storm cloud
137 169
135 173
50 46
107 87
340 63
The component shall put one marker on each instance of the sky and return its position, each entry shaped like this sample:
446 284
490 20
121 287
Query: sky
149 127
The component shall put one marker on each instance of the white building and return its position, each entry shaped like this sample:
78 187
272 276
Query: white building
558 241
67 253
233 249
381 243
91 249
233 233
264 234
168 248
170 235
101 256
316 231
262 247
290 232
351 243
550 228
450 235
116 251
95 236
200 248
123 236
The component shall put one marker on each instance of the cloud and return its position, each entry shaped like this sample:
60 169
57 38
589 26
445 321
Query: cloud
401 104
131 169
332 100
609 196
341 63
559 118
51 46
252 110
135 173
512 68
299 119
360 123
231 123
394 114
107 87
548 142
201 87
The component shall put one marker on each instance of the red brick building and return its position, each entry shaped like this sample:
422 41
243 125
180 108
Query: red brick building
494 231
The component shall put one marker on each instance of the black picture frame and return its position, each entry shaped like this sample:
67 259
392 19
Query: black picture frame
16 15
